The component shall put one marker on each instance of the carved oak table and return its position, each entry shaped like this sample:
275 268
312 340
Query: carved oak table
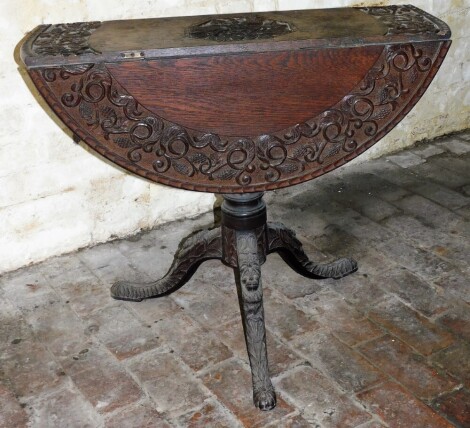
238 105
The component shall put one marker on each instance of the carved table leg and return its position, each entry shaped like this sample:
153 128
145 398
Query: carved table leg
202 246
251 307
284 241
242 242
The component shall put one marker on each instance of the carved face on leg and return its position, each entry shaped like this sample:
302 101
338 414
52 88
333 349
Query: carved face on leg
248 260
251 272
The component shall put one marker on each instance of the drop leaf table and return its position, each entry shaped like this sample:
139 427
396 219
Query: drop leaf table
238 105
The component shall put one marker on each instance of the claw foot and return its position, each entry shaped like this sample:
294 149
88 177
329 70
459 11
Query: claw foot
265 399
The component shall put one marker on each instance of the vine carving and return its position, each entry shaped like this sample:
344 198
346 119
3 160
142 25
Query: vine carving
167 149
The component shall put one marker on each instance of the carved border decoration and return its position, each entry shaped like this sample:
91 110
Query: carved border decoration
65 39
406 20
111 121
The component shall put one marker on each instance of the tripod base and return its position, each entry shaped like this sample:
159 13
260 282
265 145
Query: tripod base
243 242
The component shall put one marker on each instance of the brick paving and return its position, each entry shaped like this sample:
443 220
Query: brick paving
386 347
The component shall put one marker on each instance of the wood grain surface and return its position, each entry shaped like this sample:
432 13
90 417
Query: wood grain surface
245 95
166 33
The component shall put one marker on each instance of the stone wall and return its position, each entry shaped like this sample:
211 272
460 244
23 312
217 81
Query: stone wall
55 197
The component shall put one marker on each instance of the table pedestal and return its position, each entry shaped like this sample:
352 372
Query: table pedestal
242 242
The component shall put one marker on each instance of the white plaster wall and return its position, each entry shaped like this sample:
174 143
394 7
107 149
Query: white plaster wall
55 197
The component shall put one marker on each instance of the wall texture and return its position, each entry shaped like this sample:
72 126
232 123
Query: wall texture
55 197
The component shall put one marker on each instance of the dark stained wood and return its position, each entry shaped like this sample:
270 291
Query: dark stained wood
270 109
278 102
109 119
114 41
245 95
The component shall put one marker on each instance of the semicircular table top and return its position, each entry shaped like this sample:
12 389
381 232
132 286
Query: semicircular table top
237 103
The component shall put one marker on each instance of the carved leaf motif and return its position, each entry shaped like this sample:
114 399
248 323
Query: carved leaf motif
381 113
384 95
300 152
288 167
413 75
333 150
198 158
124 143
87 112
108 113
225 173
183 167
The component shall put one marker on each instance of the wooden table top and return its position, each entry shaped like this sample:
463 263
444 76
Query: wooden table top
237 103
201 35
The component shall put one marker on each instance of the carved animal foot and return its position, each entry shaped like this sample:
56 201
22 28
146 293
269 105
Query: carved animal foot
193 251
265 399
284 241
251 307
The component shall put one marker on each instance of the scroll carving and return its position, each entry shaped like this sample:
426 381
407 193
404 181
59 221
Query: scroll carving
167 152
204 245
249 27
65 39
284 241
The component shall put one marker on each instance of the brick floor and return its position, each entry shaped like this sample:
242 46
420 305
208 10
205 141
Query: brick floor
386 347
